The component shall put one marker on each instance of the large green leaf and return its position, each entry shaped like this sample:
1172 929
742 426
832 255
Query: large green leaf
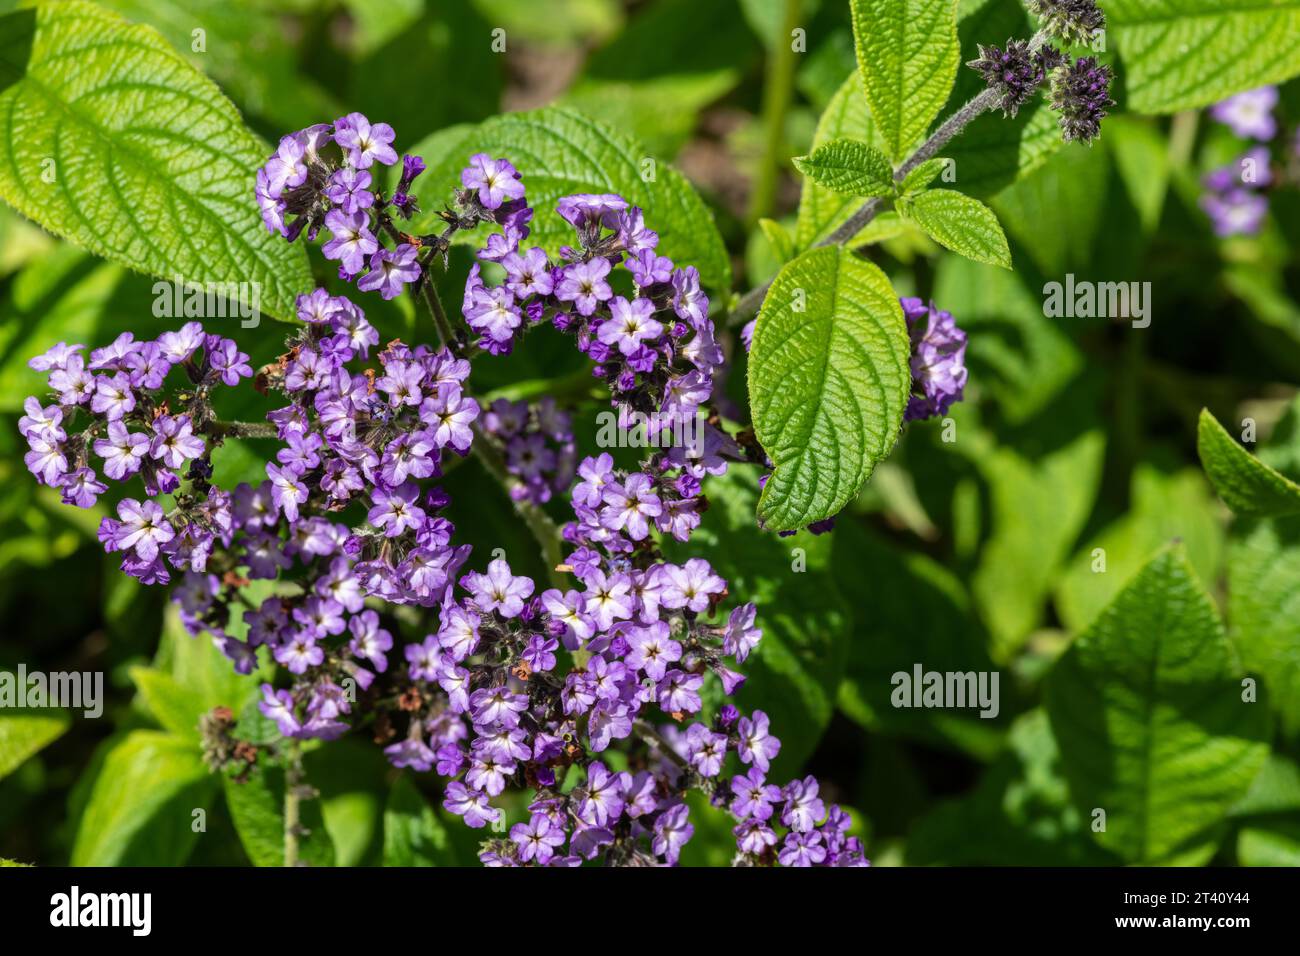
913 610
828 382
907 57
1042 487
413 833
559 152
796 668
140 810
1147 707
1164 506
110 139
23 733
1247 485
1184 54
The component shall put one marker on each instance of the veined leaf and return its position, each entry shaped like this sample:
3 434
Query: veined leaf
828 381
113 141
1147 707
1246 484
957 222
1184 54
559 152
907 57
848 166
141 804
413 833
822 210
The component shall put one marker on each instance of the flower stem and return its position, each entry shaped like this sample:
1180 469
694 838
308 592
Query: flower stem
751 301
776 103
293 779
484 448
241 429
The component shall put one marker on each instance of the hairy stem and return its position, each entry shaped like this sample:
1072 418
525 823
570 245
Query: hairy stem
293 779
776 103
751 301
241 429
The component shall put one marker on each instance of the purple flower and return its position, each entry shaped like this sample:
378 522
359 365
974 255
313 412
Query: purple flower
705 750
629 505
113 397
395 511
651 649
630 324
583 284
499 590
287 490
802 849
277 705
756 745
528 274
141 527
349 189
391 271
602 803
690 585
672 831
352 243
938 360
803 807
495 179
174 440
227 361
122 451
590 210
1081 94
471 804
299 653
752 796
679 692
741 635
1238 212
81 488
364 143
1249 114
537 839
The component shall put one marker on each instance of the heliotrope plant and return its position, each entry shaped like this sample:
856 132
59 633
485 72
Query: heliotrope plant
604 692
517 685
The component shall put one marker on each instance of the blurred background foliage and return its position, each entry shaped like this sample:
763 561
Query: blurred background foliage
974 554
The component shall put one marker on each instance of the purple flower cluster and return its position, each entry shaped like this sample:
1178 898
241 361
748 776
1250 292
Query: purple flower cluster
115 406
326 177
517 686
1070 21
1081 94
938 360
1235 196
539 446
1015 71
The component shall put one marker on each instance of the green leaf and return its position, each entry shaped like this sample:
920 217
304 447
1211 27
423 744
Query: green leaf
558 152
907 57
796 669
23 733
1042 486
1164 506
848 166
1185 54
1247 485
1274 845
140 810
828 382
922 176
822 210
918 612
170 704
1264 608
1019 814
413 834
1054 213
957 222
113 141
1147 707
778 239
257 809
